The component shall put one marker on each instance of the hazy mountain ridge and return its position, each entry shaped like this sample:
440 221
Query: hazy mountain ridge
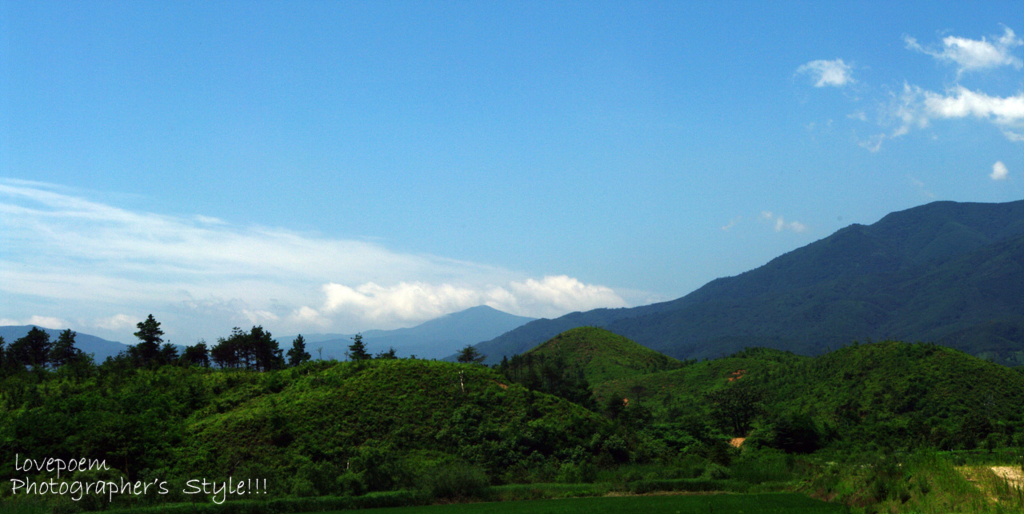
433 339
926 273
98 347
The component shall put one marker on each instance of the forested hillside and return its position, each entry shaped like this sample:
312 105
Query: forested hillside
586 403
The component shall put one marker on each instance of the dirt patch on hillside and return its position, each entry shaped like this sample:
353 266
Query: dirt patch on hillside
1012 474
736 375
989 480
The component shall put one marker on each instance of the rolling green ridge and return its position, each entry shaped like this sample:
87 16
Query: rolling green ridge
448 410
946 272
407 432
320 428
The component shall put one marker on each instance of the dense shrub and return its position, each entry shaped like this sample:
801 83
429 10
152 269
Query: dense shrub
455 481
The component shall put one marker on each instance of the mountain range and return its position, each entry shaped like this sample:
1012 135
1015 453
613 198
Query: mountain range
99 348
432 339
429 340
946 272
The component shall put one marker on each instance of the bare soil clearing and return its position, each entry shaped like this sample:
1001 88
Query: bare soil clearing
1012 474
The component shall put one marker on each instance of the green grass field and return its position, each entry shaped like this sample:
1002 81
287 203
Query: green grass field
667 504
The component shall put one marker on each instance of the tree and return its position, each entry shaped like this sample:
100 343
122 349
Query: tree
168 354
734 408
637 391
147 351
297 355
469 355
253 350
225 352
63 351
32 350
197 355
4 359
266 353
357 350
390 354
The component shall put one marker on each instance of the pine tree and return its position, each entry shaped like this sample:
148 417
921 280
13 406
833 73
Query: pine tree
265 351
198 355
32 350
147 351
469 355
357 350
297 355
64 351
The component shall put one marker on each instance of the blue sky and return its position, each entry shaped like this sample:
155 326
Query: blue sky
342 166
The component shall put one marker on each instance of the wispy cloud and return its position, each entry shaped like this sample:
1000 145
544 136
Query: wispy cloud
115 322
835 73
973 54
921 188
999 171
917 107
108 267
780 224
914 107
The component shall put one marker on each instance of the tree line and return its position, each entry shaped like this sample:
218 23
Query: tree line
255 349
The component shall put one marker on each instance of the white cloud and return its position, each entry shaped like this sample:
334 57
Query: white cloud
405 301
563 293
921 187
40 321
974 55
201 276
827 73
259 317
872 143
779 223
116 322
915 108
962 102
732 223
999 171
418 301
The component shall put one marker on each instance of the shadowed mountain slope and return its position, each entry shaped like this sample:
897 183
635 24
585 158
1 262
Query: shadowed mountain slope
947 272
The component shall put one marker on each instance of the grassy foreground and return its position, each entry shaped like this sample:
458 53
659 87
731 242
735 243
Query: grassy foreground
667 504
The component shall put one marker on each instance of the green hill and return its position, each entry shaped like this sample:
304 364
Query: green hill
404 406
320 428
671 393
341 429
603 355
889 394
897 394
